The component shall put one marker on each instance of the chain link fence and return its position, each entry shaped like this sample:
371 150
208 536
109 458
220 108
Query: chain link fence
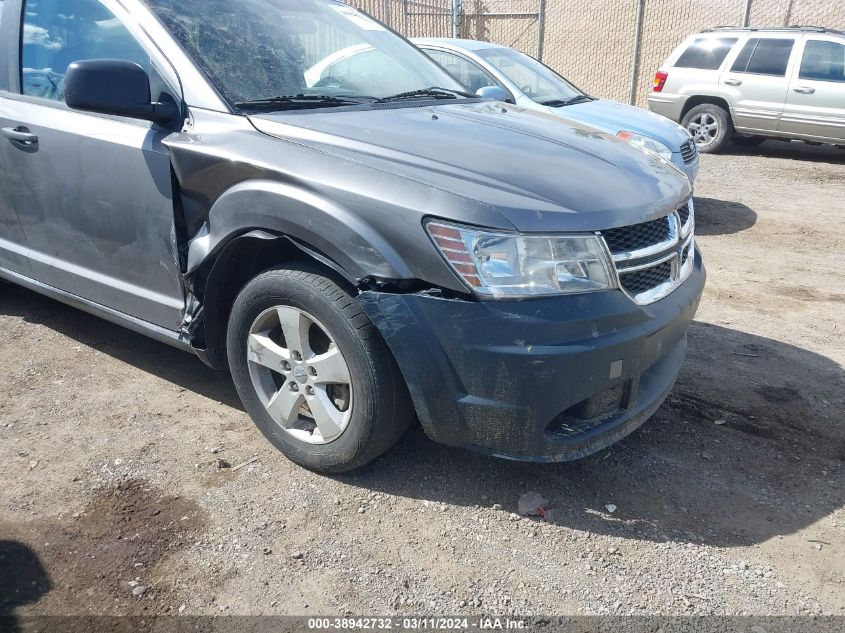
609 48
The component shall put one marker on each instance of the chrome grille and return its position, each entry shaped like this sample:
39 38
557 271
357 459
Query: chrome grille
689 152
688 250
636 236
641 281
653 258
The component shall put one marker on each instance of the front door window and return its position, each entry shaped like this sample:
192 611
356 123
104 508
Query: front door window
59 32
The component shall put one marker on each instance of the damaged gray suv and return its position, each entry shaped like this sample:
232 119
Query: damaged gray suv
361 245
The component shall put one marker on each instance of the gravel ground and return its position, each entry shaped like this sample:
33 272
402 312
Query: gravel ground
729 501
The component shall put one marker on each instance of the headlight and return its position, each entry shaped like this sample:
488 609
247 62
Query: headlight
511 265
647 144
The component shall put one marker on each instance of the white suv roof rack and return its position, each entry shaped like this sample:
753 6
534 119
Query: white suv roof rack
803 29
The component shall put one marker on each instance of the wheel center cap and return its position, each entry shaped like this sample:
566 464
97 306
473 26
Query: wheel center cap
300 374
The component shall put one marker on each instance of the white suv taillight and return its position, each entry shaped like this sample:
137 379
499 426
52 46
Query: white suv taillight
660 80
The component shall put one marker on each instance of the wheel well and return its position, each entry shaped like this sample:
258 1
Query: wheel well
700 99
219 280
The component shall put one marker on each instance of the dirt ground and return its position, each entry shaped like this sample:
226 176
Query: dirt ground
729 501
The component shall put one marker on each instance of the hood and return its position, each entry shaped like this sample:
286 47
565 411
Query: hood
614 117
540 172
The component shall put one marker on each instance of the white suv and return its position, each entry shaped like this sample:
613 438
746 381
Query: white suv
748 85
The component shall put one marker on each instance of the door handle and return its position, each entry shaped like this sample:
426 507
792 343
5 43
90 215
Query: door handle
733 82
804 90
20 135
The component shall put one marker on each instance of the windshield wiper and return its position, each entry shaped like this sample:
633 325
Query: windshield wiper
557 103
433 92
297 102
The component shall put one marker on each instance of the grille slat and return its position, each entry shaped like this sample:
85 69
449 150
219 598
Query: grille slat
637 236
647 279
689 152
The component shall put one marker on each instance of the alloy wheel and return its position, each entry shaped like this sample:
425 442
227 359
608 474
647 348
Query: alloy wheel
704 129
300 374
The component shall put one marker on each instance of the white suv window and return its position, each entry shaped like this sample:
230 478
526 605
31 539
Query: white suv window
706 53
764 56
823 61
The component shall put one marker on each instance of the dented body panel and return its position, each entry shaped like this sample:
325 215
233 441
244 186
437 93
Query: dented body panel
549 379
71 221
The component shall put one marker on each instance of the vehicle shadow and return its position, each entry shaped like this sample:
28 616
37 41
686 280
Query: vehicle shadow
722 217
171 364
748 446
23 580
794 150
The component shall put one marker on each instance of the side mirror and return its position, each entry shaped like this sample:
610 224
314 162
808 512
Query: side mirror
114 86
494 92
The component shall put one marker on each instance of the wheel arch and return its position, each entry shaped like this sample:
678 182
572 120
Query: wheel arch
257 224
217 282
698 100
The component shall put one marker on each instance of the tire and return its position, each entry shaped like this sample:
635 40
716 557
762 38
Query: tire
748 141
378 408
710 127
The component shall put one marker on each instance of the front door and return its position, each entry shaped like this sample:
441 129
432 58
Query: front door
13 239
755 85
92 193
815 103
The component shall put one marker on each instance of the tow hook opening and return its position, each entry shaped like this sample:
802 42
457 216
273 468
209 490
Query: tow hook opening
580 418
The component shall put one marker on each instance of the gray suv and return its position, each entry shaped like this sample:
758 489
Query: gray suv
360 249
748 85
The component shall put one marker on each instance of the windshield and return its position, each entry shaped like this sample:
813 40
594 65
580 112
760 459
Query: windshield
264 49
539 82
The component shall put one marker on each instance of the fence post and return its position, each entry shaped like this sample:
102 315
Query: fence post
541 28
405 18
788 17
457 11
635 54
746 13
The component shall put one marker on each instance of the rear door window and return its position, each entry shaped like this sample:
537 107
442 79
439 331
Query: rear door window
706 53
769 56
823 61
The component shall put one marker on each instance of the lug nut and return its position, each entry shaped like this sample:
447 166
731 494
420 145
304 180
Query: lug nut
285 366
296 356
309 391
312 371
294 386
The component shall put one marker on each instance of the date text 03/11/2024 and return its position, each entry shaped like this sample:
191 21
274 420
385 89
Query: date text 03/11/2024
416 623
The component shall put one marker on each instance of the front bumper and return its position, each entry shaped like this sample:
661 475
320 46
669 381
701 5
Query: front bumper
549 379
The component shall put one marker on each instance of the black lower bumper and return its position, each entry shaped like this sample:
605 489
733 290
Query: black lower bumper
549 379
